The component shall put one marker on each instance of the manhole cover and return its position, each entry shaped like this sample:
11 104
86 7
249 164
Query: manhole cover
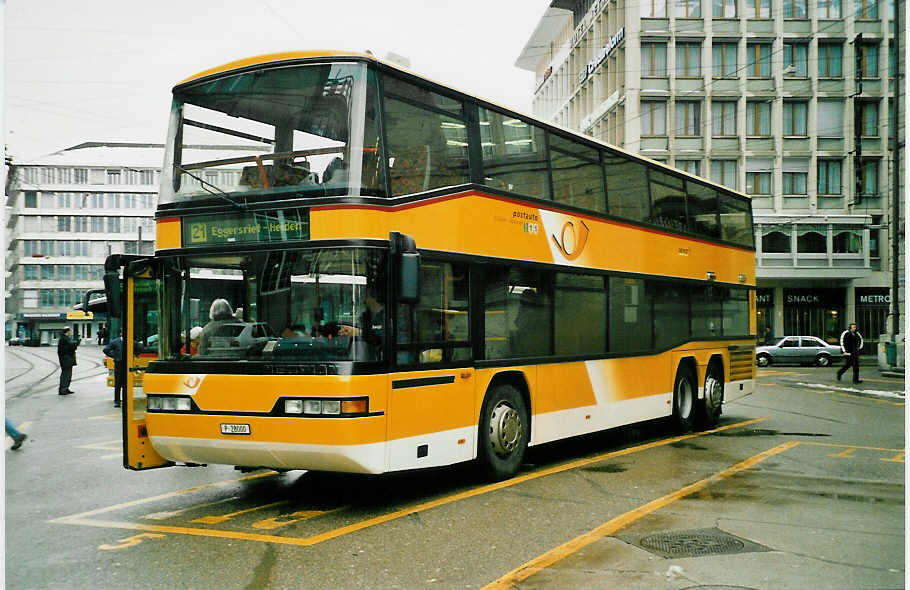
695 543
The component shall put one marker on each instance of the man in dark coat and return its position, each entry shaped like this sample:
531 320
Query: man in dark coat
851 343
114 350
66 353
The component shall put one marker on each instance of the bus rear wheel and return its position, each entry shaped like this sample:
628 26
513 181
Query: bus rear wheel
685 397
504 432
710 407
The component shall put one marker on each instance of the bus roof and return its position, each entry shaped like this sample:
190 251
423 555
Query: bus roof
274 58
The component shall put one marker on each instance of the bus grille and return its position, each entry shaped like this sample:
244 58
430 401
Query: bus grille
742 363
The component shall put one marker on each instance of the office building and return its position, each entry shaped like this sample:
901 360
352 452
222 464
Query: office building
789 101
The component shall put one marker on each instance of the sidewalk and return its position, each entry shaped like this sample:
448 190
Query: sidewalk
873 382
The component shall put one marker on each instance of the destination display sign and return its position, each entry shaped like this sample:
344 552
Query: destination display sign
263 226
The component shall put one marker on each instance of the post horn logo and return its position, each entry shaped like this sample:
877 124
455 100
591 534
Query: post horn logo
192 381
571 241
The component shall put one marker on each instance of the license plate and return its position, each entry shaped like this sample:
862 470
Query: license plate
235 429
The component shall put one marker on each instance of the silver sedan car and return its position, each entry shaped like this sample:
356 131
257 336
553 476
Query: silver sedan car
802 350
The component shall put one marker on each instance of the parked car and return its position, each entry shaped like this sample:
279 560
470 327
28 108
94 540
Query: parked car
14 341
239 339
801 350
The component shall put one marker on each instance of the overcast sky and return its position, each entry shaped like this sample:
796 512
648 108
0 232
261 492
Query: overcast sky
102 70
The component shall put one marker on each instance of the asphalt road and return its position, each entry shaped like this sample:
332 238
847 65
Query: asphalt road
801 486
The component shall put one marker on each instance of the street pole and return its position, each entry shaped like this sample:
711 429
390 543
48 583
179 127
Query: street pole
897 196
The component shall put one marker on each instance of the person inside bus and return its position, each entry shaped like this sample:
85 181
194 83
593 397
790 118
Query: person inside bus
336 173
195 334
371 325
220 313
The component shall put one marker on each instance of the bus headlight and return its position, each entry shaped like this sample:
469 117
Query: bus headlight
168 403
327 407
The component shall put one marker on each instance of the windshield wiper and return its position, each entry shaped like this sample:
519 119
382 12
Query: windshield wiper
220 193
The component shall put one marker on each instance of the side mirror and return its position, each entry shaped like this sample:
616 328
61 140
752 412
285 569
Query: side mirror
406 261
112 292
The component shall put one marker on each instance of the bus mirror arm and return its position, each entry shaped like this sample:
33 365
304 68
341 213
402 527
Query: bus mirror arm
407 263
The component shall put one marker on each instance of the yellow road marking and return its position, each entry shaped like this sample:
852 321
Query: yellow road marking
216 484
899 458
114 416
226 517
110 445
608 528
130 541
846 453
839 446
294 517
172 513
81 519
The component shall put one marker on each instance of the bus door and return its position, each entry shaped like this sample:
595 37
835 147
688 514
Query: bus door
140 343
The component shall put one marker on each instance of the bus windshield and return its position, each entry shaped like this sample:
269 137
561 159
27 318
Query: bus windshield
308 130
303 305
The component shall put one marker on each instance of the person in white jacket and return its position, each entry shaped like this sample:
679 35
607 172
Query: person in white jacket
851 343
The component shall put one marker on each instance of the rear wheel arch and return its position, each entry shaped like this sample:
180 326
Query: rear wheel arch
685 393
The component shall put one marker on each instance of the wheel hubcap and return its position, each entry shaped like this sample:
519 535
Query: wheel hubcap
714 393
505 429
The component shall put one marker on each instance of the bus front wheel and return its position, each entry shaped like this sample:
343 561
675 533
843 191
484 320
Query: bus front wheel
504 432
685 396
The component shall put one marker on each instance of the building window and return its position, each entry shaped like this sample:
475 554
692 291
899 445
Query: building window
758 8
47 272
776 239
113 225
870 118
831 118
653 8
758 118
724 60
867 9
723 119
80 176
847 240
810 239
691 166
796 60
829 9
688 8
759 60
688 118
796 113
654 60
869 178
724 172
653 117
31 200
758 183
31 272
829 177
758 176
830 60
796 9
688 60
64 223
723 9
869 61
794 183
113 177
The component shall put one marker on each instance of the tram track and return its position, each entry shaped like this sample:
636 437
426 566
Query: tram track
52 368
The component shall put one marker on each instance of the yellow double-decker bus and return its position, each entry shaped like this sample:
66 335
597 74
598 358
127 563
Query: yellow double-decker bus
358 269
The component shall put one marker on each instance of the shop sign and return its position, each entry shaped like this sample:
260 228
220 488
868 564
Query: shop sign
814 297
873 297
43 316
601 55
764 297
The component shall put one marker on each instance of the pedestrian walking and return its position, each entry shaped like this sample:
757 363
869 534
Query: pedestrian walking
66 354
18 437
114 350
851 344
